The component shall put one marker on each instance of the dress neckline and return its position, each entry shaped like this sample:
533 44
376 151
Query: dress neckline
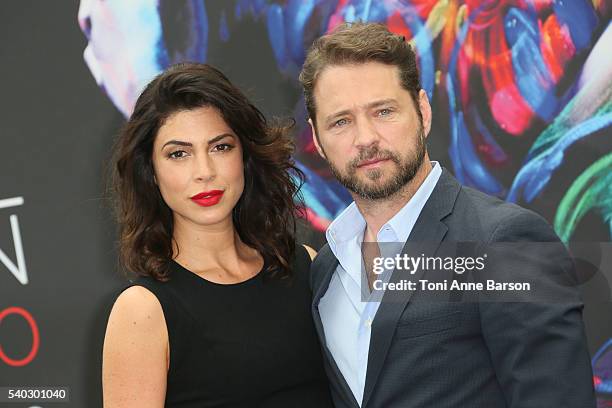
202 279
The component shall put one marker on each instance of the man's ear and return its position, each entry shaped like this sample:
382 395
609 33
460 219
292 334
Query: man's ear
315 139
425 108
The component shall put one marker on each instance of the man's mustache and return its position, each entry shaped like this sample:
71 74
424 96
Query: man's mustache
372 154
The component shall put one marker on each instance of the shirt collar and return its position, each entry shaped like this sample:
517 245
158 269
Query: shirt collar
349 225
402 223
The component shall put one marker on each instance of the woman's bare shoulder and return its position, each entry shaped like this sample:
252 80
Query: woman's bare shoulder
135 357
311 252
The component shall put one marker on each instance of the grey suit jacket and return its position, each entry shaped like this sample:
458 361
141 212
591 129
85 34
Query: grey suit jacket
469 354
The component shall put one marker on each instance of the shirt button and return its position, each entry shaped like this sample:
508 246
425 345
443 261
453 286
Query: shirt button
368 323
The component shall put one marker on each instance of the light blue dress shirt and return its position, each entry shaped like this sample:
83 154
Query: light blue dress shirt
346 310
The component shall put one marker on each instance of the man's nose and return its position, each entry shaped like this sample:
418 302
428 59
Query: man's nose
366 133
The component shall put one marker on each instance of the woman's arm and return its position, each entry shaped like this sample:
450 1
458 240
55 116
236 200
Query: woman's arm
135 356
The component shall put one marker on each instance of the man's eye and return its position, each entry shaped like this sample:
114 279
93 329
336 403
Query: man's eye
340 122
223 147
384 112
177 154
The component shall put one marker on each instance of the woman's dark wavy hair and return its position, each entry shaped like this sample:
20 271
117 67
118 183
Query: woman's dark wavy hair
265 214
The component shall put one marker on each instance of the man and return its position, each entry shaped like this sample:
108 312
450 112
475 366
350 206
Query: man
370 119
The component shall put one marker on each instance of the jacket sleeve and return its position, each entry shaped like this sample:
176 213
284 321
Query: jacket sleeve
538 346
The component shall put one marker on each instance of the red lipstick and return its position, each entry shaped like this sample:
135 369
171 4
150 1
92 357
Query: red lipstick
208 198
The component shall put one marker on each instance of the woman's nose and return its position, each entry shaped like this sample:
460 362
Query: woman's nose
205 169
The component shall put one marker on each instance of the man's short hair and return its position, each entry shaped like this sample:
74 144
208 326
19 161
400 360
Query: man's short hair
358 43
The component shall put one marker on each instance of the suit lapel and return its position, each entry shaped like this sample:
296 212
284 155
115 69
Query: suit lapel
425 237
329 265
319 288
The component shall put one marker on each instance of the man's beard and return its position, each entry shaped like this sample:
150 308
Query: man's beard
407 168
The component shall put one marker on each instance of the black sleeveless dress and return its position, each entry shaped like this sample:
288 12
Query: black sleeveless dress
250 344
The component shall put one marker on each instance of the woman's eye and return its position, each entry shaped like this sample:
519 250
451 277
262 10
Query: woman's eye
177 154
223 147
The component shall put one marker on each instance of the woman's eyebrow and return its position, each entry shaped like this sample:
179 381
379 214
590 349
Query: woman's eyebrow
188 144
176 142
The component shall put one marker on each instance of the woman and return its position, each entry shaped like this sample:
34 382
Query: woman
220 315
